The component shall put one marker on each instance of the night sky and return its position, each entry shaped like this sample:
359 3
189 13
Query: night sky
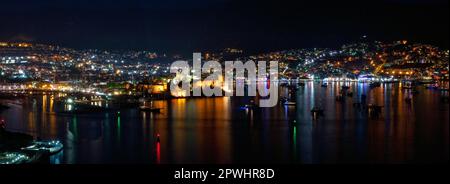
184 26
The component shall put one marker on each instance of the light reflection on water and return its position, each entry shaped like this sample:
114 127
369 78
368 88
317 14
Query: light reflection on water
217 130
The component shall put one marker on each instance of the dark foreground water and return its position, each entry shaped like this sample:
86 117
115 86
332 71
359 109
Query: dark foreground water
217 130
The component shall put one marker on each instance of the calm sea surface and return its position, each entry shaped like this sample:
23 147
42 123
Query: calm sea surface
218 130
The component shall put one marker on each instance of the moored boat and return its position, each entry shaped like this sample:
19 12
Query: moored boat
147 106
375 84
345 87
316 112
149 109
13 158
290 103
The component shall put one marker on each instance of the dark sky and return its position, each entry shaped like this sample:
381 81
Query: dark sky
194 25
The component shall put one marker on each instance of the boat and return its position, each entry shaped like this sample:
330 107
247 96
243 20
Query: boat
407 85
2 125
340 98
291 100
292 87
445 99
375 84
149 109
432 86
51 147
358 105
248 106
13 158
408 100
350 94
345 87
316 112
144 99
289 103
374 110
324 85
